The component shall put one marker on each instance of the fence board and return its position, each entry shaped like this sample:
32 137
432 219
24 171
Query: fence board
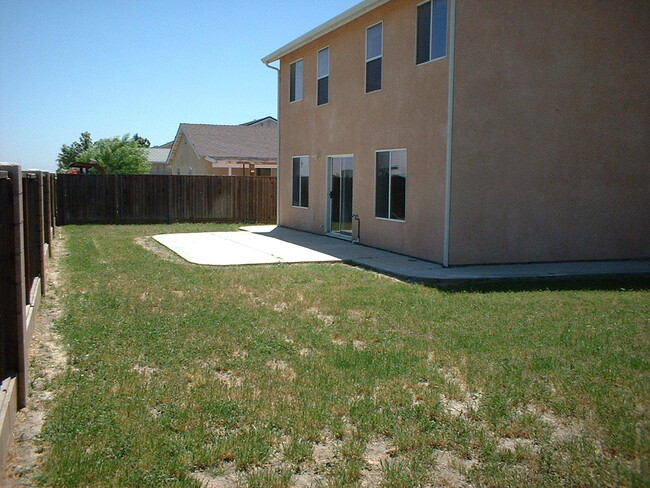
149 199
12 281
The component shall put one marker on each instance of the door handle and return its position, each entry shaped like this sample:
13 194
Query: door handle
331 194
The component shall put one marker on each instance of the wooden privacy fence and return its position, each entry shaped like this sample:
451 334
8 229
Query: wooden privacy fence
27 202
150 199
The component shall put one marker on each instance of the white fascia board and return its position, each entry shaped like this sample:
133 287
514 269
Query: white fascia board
341 19
222 163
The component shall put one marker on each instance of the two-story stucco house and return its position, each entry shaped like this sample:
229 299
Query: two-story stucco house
471 132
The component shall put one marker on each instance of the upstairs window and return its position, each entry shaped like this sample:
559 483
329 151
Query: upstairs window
390 184
374 52
323 76
295 81
431 31
300 182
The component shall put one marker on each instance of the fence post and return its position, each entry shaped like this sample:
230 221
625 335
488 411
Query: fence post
47 211
12 280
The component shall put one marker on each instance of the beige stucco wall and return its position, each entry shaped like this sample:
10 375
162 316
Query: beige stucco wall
409 112
159 169
551 154
185 158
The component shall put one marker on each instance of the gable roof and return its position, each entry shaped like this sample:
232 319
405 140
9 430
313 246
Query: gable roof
157 154
341 19
167 145
229 141
257 121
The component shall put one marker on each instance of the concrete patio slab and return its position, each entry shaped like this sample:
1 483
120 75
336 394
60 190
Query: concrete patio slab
271 244
213 248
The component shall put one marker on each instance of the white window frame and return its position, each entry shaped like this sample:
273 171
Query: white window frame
320 77
388 219
381 55
302 81
306 156
431 58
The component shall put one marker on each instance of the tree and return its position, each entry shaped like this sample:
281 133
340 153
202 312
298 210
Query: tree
70 154
119 155
144 142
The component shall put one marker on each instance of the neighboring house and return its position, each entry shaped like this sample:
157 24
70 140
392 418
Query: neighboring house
265 122
158 158
471 132
227 150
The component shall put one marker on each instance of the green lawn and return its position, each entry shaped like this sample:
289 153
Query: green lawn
330 375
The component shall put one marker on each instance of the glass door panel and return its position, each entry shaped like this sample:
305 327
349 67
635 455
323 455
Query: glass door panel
341 182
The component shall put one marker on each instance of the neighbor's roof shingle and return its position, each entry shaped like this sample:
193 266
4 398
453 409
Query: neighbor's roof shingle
233 141
157 154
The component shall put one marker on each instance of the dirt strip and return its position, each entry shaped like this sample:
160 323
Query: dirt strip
47 360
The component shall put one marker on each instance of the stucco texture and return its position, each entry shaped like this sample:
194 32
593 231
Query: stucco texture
550 150
551 155
410 111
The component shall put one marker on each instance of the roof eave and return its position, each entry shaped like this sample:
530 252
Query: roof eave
242 158
341 19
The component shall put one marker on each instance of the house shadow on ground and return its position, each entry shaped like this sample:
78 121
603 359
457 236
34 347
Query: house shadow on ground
603 283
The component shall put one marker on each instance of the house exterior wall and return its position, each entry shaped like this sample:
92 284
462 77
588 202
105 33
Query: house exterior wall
550 137
159 169
410 111
185 158
551 149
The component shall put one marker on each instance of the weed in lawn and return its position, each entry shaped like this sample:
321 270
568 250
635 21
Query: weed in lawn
400 474
298 451
268 478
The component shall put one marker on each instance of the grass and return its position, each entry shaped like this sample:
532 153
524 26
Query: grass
339 376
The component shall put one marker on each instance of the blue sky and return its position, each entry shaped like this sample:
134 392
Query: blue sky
110 67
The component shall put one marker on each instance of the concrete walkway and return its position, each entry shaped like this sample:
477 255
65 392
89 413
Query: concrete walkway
271 244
